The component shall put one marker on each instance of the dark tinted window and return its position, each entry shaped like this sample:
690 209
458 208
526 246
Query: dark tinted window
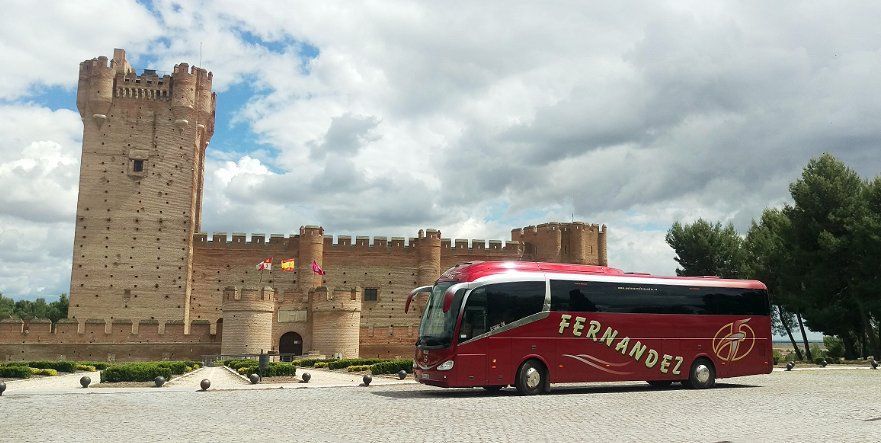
655 299
493 306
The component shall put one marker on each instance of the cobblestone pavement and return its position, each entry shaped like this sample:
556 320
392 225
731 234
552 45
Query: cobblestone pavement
815 405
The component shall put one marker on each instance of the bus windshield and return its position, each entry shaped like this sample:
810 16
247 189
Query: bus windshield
436 328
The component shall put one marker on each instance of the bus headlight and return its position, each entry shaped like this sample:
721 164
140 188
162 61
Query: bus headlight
445 366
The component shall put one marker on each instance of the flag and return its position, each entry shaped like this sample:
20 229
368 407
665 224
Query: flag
317 269
265 265
288 265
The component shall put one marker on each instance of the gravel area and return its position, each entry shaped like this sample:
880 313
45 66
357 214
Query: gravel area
805 405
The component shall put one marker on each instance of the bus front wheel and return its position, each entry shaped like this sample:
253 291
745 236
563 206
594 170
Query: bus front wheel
702 374
531 378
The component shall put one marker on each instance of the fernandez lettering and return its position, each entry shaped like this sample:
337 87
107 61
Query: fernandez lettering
636 351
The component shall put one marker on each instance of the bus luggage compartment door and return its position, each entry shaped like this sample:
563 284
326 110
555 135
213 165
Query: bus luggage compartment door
498 361
470 368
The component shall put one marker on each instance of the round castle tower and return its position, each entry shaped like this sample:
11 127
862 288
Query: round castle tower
311 248
336 321
247 320
429 249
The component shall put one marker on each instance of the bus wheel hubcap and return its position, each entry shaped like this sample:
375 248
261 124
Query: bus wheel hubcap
533 377
702 373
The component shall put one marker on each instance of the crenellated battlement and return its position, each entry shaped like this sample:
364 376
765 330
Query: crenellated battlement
342 242
323 299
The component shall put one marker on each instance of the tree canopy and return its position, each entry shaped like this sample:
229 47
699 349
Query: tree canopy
820 256
37 309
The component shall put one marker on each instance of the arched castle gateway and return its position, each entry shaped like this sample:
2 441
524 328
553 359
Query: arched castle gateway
146 282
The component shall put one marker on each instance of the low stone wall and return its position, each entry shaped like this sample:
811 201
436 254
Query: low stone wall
107 351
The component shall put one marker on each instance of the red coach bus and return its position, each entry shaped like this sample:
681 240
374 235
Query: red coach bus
526 324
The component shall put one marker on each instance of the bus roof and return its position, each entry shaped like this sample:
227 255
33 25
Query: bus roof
471 271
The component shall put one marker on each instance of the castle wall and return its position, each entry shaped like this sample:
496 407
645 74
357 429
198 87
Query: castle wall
105 341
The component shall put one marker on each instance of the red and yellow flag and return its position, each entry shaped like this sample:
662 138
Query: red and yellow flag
288 265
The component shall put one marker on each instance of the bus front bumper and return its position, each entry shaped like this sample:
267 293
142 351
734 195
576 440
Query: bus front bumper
433 377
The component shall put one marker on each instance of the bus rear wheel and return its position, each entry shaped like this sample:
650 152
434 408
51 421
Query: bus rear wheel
531 378
702 374
659 383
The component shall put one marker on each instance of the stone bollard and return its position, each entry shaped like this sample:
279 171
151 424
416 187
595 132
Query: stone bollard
205 384
254 379
2 387
874 364
306 377
402 374
85 381
823 363
159 381
367 379
790 365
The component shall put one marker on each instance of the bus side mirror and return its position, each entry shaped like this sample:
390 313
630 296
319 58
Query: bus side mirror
413 294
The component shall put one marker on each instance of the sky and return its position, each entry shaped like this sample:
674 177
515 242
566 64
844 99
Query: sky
381 118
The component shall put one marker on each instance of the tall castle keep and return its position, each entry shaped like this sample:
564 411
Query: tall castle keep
146 282
141 175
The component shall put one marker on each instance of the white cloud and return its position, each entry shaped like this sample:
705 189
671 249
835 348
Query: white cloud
480 117
43 45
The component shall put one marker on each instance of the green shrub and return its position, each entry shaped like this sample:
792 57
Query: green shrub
60 366
816 352
392 366
346 362
239 363
275 369
15 371
777 356
358 368
320 364
48 372
98 365
87 368
135 372
176 367
310 362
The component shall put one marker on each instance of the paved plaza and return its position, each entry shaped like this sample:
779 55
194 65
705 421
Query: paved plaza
815 404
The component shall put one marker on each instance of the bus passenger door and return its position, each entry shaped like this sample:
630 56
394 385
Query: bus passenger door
471 353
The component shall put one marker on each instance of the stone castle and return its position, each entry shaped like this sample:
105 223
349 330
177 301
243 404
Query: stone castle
146 282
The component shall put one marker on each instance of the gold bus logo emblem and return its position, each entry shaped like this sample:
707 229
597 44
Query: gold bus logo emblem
734 340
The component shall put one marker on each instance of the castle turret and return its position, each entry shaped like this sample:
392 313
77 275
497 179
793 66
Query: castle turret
95 93
577 244
602 251
429 248
247 320
574 242
183 94
311 248
336 321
